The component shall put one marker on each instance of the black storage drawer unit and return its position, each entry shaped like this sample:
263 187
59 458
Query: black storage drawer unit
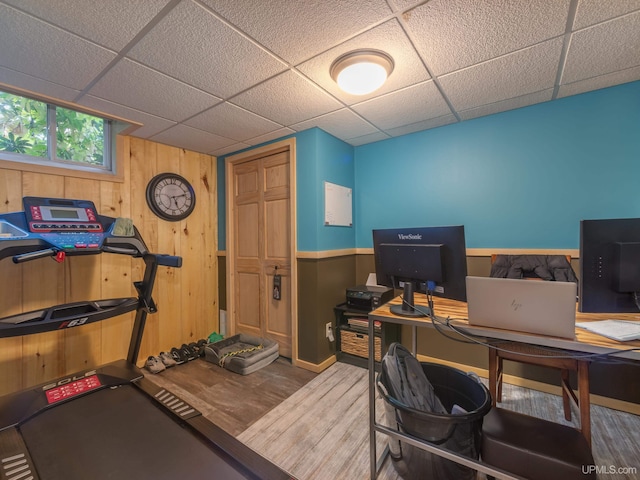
352 339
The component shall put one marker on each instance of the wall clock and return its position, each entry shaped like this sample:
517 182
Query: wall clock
170 196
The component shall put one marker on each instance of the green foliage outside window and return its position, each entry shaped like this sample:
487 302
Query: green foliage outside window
80 137
23 130
23 125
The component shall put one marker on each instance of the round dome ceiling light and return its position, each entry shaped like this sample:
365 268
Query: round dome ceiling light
361 71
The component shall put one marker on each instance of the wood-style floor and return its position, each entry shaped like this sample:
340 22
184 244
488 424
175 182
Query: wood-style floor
232 401
316 426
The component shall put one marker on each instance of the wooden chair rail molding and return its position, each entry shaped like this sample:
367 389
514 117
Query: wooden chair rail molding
471 252
488 252
491 252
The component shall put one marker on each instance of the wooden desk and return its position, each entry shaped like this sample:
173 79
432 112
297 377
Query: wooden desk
585 342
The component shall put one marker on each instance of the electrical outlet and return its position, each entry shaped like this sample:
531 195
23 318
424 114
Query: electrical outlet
329 332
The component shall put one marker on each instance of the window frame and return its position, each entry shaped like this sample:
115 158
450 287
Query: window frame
113 128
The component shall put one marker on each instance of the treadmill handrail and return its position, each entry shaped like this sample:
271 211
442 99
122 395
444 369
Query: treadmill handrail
64 316
34 246
145 301
25 257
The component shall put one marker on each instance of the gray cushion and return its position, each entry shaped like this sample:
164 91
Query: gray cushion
242 353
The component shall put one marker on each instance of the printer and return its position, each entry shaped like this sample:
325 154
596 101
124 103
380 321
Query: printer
368 297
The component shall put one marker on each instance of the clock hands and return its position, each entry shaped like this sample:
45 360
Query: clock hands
173 201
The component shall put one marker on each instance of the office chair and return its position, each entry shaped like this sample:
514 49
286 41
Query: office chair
548 267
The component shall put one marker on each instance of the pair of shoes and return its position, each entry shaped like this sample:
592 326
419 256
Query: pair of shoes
190 351
154 364
198 347
178 355
167 359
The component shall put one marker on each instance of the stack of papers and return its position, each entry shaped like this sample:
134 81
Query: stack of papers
620 330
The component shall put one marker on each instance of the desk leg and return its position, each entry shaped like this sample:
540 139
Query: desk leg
414 340
585 403
372 402
493 375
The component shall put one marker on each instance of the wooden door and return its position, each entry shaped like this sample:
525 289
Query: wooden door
261 223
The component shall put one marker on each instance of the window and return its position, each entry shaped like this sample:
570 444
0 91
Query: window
33 131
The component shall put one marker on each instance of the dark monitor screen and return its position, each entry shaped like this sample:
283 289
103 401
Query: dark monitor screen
422 256
609 265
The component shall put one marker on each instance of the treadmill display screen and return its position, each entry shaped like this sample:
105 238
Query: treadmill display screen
72 389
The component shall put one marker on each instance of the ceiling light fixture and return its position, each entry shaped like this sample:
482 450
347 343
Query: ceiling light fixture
361 71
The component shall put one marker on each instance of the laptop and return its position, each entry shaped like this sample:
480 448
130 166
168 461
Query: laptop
540 307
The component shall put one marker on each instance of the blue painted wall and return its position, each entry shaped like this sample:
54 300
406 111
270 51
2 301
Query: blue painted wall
518 179
335 165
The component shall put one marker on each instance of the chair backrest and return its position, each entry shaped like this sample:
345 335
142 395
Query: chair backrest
533 267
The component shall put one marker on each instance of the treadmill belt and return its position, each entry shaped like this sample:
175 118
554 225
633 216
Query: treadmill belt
116 434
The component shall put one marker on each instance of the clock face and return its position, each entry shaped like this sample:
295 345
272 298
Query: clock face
170 196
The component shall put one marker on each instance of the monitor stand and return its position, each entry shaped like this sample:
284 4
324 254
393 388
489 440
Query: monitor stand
407 307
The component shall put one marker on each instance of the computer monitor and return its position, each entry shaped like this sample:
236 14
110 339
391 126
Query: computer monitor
609 265
421 259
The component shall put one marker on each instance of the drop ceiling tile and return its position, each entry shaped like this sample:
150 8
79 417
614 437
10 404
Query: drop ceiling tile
233 122
282 132
111 23
236 147
389 38
603 81
508 104
590 12
129 83
34 84
372 137
603 48
192 45
454 34
151 124
287 99
410 105
405 4
296 31
424 125
48 52
341 124
193 139
514 75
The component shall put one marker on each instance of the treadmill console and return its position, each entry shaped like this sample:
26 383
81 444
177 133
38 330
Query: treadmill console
64 223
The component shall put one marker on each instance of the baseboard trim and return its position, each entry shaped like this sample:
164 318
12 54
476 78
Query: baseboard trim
607 402
316 368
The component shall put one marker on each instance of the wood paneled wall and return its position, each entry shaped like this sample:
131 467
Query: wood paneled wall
187 298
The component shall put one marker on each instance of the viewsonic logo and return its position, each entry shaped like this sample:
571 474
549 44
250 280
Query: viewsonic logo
409 236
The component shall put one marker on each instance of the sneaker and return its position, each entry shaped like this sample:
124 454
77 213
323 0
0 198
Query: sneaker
197 348
154 365
189 352
202 343
178 356
167 359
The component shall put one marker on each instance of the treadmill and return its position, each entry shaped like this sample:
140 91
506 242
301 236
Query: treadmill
108 422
